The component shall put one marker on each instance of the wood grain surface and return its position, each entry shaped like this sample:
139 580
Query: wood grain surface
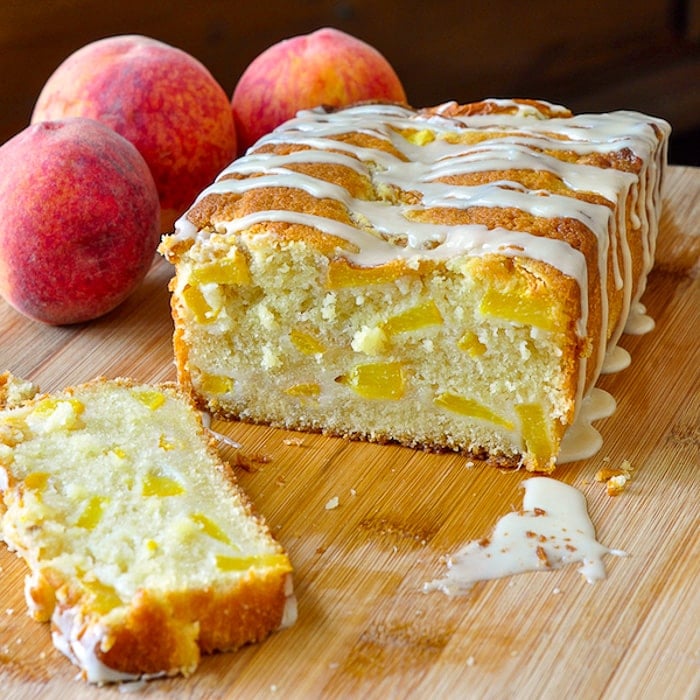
365 627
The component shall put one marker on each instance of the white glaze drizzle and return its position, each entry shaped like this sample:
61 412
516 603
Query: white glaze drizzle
553 529
638 322
520 142
582 440
616 359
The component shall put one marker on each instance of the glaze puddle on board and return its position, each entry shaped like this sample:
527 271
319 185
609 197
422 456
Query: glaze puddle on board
552 529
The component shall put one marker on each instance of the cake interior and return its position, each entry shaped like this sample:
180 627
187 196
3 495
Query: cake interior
428 356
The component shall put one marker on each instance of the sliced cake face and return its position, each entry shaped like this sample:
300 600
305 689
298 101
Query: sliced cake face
446 278
142 550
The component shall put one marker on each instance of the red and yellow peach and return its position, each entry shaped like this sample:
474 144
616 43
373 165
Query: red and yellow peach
327 67
158 97
79 220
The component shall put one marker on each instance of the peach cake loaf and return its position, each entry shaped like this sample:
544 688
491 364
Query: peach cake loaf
142 550
448 278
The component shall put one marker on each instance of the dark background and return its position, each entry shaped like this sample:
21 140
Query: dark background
588 55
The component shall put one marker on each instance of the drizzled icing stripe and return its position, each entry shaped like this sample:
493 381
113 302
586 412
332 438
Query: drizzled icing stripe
523 140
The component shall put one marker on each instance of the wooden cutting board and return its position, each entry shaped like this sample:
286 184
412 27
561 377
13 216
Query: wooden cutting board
365 627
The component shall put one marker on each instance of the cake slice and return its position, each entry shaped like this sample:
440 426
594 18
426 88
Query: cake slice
445 278
143 552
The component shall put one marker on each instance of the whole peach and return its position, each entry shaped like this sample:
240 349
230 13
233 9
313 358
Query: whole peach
326 67
158 97
79 220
